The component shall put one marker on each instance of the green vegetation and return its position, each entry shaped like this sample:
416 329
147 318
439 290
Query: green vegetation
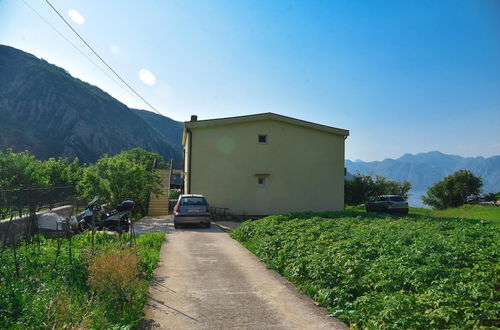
477 212
361 188
21 169
453 190
492 197
174 194
485 213
58 283
129 175
376 271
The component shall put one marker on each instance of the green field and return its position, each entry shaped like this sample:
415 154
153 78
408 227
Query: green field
489 214
382 272
477 212
62 284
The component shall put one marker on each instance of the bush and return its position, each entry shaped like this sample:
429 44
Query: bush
492 197
453 190
361 188
174 194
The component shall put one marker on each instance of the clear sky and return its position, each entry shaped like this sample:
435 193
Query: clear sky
402 76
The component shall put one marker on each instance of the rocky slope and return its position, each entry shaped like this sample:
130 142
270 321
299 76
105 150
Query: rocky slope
44 110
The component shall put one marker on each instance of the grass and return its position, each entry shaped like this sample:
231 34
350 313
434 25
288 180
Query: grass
471 212
477 212
55 283
376 271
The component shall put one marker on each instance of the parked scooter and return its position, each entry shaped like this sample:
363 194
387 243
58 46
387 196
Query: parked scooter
116 220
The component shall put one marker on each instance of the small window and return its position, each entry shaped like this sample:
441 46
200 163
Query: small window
261 182
263 139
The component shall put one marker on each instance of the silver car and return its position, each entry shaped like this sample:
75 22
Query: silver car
388 204
191 209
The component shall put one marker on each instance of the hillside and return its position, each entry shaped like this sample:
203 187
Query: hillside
425 169
50 113
169 128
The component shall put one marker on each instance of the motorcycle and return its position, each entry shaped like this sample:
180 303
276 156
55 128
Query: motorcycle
115 220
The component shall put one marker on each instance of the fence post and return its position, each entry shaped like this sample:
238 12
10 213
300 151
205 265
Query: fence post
93 232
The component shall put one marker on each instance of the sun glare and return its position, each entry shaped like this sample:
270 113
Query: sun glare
147 77
76 16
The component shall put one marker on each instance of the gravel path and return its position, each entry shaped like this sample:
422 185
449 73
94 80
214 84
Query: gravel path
207 280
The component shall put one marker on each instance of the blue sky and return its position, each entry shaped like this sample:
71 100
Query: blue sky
402 76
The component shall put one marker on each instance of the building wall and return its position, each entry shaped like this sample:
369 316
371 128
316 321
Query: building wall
305 167
187 148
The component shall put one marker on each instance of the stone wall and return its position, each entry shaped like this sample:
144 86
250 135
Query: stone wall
22 228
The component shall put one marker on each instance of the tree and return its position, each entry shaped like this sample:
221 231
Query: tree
361 188
453 190
18 170
128 175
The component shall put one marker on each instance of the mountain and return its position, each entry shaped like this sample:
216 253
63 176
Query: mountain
169 128
425 169
44 110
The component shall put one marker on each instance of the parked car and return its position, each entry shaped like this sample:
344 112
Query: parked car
389 204
191 209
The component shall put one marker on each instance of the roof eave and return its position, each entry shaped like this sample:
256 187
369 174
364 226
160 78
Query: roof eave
264 116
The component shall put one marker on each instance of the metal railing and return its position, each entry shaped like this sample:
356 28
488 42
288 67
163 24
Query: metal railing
219 212
22 202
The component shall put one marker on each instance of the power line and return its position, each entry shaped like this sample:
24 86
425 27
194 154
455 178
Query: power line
74 46
102 60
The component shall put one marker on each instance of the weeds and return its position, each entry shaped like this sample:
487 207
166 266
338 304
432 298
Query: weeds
79 289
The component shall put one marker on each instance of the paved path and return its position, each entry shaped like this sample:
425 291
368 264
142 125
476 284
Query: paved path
152 224
207 280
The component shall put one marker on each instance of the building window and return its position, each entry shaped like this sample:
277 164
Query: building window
261 179
262 139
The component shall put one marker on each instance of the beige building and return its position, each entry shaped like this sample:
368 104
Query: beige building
265 164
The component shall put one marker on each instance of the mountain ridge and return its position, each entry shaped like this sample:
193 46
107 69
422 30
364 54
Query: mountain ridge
50 113
426 168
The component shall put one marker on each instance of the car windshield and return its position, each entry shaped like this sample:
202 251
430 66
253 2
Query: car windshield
193 201
397 199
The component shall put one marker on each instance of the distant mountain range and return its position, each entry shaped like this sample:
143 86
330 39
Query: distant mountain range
425 169
44 110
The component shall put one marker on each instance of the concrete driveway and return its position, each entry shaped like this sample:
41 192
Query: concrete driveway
207 280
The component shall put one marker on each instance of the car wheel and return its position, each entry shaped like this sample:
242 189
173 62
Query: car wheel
176 226
208 225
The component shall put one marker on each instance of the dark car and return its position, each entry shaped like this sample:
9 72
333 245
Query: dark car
191 209
388 204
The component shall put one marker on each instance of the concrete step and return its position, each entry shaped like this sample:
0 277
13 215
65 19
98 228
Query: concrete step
158 204
158 213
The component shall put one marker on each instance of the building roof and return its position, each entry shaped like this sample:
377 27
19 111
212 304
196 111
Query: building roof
264 116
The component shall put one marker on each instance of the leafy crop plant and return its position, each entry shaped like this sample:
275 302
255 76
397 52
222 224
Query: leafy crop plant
383 272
